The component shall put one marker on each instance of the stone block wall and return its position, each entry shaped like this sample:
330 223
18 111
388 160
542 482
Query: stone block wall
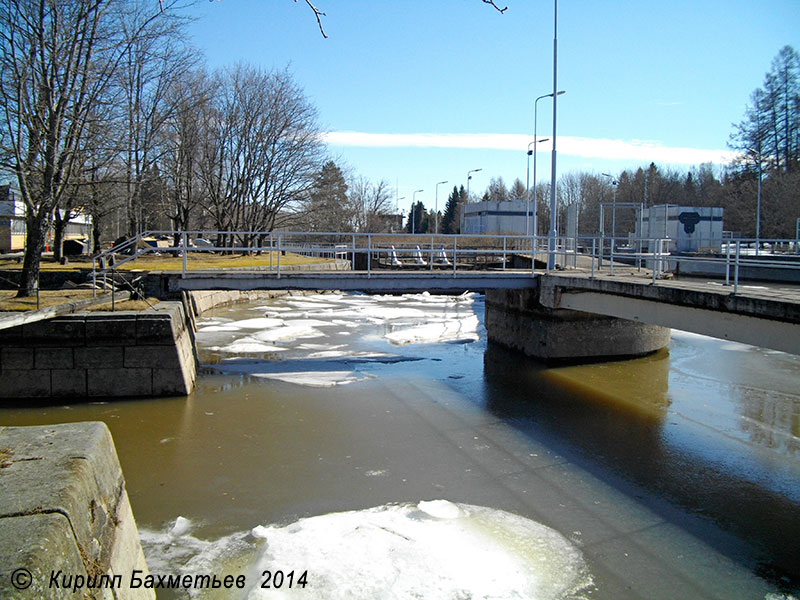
100 354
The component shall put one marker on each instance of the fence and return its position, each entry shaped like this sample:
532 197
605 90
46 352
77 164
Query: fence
371 252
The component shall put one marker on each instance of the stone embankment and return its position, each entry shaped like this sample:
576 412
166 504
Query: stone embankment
101 354
66 526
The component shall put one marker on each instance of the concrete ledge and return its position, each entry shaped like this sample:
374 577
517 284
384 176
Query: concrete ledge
517 319
119 354
64 508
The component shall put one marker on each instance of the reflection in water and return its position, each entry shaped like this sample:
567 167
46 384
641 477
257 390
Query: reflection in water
336 404
694 445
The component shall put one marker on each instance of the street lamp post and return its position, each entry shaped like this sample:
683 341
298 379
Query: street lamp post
466 200
528 190
436 208
414 211
535 141
535 208
551 245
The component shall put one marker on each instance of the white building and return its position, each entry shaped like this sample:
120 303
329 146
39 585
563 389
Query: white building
12 219
13 227
513 218
689 228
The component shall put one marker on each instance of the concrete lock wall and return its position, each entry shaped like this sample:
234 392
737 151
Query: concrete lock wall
94 354
517 319
66 526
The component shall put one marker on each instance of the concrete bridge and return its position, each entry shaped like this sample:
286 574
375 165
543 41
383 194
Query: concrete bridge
756 315
593 305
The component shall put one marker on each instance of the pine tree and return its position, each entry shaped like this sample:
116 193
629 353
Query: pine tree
449 223
328 207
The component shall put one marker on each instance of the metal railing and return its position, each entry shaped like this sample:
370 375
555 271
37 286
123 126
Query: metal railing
374 252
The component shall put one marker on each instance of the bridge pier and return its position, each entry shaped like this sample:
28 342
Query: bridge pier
517 319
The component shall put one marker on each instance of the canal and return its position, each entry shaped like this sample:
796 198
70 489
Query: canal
380 446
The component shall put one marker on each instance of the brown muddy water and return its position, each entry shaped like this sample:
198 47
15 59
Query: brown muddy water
381 446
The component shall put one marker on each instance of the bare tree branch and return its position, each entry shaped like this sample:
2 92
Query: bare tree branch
501 10
318 13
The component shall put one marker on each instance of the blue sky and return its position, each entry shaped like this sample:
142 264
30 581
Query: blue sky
420 91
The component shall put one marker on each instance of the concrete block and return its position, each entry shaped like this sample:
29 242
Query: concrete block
68 472
172 382
28 383
61 331
11 336
120 382
151 356
111 330
99 357
155 328
22 539
16 357
68 382
53 358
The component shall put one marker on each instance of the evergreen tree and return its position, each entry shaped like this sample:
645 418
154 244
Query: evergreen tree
417 219
328 207
450 220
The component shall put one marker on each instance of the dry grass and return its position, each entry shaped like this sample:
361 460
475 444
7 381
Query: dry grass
163 262
8 302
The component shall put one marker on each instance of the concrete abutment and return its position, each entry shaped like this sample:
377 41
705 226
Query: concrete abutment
66 525
517 319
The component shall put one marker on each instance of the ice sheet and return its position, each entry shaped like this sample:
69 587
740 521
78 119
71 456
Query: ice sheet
317 378
430 550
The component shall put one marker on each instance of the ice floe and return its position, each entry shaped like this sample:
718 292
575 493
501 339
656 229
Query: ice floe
429 550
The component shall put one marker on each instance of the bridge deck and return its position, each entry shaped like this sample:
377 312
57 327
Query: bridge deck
358 281
767 316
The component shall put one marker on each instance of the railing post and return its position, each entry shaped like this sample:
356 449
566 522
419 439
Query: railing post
279 256
611 261
94 278
728 264
271 248
455 254
353 264
184 252
504 252
369 255
430 258
594 244
736 269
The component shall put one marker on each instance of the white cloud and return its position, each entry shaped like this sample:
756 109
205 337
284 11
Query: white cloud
572 146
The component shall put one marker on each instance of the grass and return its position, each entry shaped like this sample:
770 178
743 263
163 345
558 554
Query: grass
162 262
148 262
9 303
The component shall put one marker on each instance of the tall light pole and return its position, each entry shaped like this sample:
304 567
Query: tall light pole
535 141
551 244
414 211
397 207
535 208
528 190
466 200
614 184
436 208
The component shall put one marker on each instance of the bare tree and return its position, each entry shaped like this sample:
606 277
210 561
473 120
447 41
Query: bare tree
372 204
261 148
156 56
58 59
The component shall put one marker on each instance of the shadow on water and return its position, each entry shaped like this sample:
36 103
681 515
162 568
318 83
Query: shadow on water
612 419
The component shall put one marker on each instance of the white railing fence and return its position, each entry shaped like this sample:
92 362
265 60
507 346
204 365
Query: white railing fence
372 252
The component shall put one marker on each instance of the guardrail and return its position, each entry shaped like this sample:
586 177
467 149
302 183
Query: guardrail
454 253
